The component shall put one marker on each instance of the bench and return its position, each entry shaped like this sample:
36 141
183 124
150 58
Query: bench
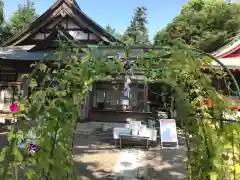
133 138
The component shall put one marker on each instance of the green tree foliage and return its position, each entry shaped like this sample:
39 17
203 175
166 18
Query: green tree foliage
137 32
113 32
110 30
207 25
4 29
24 15
1 12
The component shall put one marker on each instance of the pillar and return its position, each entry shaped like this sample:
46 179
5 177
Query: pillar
146 105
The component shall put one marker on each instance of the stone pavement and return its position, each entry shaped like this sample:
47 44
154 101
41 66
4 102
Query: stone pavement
167 164
130 164
155 164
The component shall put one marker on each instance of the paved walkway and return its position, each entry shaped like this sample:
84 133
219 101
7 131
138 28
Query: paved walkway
166 164
131 164
134 164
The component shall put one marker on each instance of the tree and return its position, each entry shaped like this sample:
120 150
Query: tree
137 32
1 12
4 29
24 15
110 30
206 25
113 32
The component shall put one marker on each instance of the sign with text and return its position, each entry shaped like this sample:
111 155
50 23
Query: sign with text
168 131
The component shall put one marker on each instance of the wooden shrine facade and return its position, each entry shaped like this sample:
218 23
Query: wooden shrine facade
65 21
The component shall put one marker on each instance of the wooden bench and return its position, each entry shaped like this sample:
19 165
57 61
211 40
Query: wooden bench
133 138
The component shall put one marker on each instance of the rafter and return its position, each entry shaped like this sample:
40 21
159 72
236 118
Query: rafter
63 8
43 44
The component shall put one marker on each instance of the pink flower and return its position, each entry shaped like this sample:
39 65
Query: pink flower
13 108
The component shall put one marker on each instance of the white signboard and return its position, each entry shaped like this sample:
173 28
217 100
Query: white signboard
168 131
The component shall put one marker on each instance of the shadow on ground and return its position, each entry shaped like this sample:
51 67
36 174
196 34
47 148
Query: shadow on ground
96 156
159 164
166 164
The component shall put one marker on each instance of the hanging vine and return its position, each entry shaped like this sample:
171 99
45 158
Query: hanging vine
56 92
51 111
207 144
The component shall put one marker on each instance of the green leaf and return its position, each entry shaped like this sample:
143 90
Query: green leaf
11 135
38 99
24 76
156 70
216 163
150 54
3 153
228 146
54 111
30 173
213 175
207 60
17 154
32 83
42 67
74 58
75 99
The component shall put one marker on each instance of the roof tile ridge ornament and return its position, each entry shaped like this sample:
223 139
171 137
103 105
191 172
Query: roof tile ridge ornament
29 27
100 27
44 19
63 12
73 3
51 8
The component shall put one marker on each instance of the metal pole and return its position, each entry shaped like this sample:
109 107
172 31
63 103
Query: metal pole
224 67
228 72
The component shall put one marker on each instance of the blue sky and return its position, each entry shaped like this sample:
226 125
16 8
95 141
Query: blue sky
118 14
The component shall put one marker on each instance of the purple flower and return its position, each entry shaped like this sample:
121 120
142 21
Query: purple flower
79 57
145 50
58 87
32 148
